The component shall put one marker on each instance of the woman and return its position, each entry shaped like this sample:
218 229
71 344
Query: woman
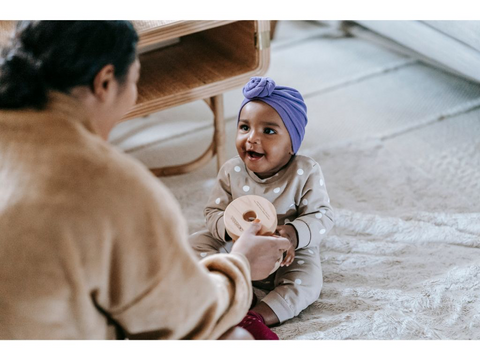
93 246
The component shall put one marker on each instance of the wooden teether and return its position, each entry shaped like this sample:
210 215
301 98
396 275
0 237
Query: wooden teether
241 212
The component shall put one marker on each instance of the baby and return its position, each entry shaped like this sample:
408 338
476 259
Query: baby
270 129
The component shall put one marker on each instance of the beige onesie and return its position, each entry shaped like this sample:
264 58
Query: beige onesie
300 197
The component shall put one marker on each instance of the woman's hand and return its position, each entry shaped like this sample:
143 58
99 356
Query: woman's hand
289 232
261 251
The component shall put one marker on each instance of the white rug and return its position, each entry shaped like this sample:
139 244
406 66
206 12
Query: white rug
403 259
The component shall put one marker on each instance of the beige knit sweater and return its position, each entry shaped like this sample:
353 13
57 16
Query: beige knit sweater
92 246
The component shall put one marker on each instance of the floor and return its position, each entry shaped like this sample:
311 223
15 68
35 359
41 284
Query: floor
354 90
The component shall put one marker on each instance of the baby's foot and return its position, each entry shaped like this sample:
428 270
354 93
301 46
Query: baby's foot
253 322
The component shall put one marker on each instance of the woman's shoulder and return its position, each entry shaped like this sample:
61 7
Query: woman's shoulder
110 174
127 186
125 171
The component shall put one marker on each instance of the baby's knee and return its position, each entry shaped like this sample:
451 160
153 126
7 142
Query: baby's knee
309 286
194 239
204 244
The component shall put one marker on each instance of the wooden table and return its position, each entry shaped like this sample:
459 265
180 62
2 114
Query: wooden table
210 58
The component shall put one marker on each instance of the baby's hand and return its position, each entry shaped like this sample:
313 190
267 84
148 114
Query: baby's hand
289 257
289 232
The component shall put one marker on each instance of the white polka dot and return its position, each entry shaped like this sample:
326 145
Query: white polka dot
323 231
310 251
237 168
318 215
276 190
292 206
305 202
323 211
217 201
203 255
300 262
246 188
328 200
300 172
321 182
298 281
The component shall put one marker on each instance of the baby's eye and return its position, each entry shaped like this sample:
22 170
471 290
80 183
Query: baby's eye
243 127
269 131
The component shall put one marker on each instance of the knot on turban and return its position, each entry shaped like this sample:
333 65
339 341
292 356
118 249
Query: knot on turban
258 87
286 101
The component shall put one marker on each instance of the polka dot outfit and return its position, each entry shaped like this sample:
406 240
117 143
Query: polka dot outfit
300 197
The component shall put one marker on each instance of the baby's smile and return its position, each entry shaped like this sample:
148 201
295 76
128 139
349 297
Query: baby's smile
254 156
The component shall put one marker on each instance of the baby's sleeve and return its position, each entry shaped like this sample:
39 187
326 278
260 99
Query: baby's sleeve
218 201
315 214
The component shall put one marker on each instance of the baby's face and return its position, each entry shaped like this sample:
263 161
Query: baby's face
262 141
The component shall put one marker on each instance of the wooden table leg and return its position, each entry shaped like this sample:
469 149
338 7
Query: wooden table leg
219 130
217 146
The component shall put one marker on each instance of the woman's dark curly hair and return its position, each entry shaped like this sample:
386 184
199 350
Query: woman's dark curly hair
60 55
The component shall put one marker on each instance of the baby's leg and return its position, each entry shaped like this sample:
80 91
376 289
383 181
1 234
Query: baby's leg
204 244
296 286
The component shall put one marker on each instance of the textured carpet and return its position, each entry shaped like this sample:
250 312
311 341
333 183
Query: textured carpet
402 261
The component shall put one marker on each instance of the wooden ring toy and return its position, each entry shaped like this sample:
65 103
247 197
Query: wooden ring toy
241 212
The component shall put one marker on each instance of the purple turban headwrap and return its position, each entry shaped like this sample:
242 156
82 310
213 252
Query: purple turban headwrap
287 101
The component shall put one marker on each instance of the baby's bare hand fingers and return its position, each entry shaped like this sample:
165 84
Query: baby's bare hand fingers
288 259
285 260
291 260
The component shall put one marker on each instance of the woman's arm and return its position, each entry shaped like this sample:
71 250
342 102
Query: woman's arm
156 287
